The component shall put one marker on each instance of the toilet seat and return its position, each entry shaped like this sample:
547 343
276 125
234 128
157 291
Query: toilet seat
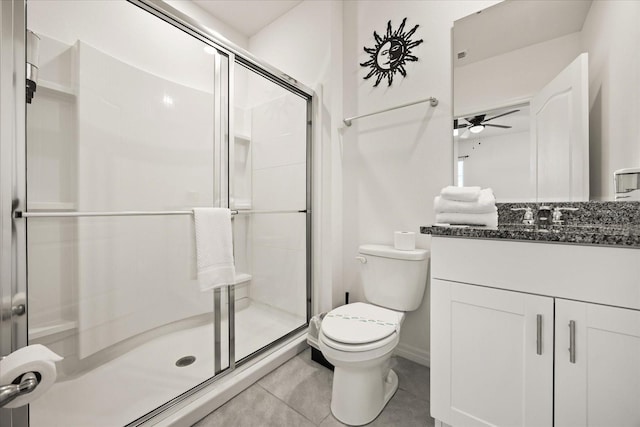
391 341
360 327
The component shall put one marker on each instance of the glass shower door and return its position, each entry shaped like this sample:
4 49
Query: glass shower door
269 187
124 138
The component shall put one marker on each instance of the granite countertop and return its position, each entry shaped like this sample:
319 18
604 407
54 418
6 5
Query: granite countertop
594 223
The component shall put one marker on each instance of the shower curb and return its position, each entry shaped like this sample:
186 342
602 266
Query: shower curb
220 392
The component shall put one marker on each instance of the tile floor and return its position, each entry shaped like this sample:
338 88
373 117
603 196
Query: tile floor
298 394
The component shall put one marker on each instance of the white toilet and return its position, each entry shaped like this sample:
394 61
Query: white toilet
358 338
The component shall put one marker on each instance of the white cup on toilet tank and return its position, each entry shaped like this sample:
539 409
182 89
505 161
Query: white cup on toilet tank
404 240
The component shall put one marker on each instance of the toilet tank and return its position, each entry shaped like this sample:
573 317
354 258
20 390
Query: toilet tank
393 278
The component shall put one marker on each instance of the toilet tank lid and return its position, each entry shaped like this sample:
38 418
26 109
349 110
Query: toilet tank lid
391 252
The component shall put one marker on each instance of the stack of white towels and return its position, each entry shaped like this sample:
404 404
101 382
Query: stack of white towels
466 206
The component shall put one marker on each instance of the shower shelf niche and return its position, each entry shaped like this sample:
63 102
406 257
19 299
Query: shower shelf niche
243 171
58 88
38 332
242 278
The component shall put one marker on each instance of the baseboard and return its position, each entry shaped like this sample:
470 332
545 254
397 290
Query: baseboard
414 354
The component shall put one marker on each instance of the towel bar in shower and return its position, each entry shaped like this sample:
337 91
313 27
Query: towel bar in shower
49 214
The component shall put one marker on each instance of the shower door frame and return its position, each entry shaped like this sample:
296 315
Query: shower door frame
13 249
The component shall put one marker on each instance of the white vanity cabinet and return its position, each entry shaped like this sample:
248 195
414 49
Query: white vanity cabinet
500 334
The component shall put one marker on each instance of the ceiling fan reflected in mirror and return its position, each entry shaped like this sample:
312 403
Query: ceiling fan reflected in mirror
477 124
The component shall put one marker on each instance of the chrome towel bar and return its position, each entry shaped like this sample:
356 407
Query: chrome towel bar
49 214
433 101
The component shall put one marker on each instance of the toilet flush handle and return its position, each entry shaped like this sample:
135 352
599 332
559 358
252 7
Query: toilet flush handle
361 259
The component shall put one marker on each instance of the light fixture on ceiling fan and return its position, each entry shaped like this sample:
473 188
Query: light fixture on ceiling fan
476 128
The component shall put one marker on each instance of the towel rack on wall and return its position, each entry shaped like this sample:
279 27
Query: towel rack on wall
433 101
20 214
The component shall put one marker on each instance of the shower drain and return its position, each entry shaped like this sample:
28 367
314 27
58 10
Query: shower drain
185 361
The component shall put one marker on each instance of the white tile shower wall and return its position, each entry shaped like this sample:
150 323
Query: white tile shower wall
161 51
278 153
52 247
279 262
279 183
156 48
281 187
137 152
242 243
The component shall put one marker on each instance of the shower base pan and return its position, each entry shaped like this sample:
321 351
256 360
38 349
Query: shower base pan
135 383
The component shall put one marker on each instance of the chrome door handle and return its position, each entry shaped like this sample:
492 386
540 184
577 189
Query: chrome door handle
539 334
16 310
572 341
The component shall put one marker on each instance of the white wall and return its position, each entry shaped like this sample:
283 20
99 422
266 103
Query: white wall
501 162
513 76
212 23
395 163
611 34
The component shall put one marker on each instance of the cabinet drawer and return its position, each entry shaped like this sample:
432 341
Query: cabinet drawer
603 275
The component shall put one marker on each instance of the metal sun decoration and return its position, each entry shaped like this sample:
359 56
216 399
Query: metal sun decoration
390 53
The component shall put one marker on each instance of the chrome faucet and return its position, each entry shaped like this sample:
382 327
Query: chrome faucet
557 215
527 219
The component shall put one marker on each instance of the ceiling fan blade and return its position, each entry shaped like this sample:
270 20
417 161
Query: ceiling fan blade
498 126
476 120
500 115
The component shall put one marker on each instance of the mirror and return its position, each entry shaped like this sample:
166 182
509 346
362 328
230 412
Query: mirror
507 55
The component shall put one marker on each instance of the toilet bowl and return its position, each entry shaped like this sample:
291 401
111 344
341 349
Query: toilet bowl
359 339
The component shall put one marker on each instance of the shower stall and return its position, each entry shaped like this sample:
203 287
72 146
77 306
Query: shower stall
137 115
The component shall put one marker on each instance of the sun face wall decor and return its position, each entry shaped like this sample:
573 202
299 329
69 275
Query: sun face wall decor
391 53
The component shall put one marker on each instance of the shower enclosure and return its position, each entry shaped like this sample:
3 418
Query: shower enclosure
139 115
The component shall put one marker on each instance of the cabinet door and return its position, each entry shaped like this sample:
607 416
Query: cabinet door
600 384
489 364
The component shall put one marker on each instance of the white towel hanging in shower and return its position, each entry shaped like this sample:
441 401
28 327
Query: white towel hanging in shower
214 247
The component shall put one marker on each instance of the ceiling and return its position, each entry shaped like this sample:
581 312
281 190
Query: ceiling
515 24
247 16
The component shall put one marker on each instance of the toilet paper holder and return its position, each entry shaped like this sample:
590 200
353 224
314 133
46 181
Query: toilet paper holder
28 382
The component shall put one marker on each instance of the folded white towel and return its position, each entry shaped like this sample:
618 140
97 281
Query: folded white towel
461 194
214 247
485 203
453 218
